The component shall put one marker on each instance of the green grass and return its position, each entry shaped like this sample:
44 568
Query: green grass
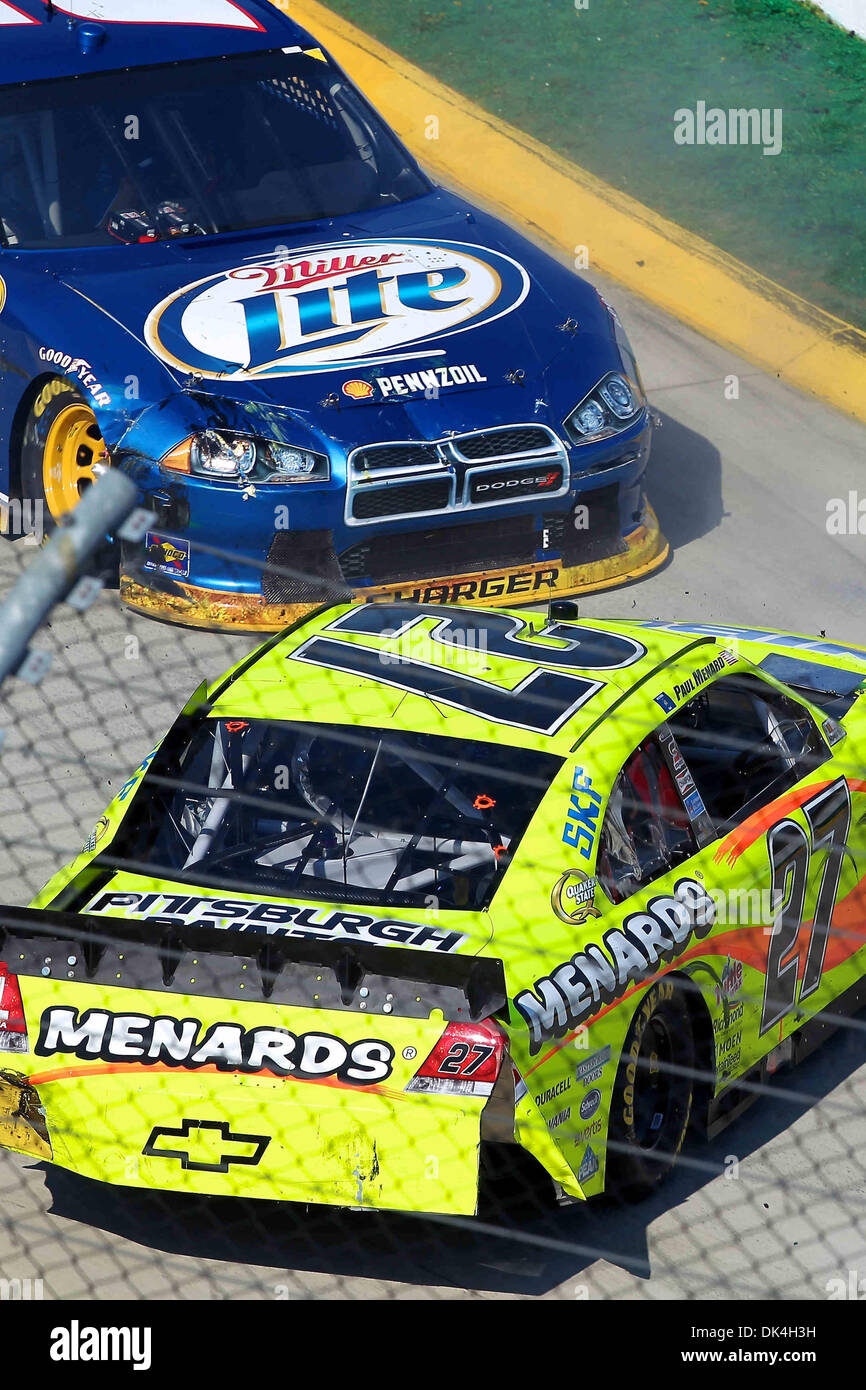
601 86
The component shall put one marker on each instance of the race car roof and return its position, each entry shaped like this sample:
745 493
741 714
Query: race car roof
382 665
40 39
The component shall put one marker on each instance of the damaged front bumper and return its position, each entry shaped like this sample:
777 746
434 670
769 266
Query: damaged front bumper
287 592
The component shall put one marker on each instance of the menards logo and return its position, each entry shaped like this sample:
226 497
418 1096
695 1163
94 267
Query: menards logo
598 974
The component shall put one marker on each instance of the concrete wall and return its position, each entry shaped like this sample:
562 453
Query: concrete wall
851 14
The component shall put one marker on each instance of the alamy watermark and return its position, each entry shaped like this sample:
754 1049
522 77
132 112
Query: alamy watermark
713 125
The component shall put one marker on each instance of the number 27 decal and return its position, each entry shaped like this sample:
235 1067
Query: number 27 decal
828 816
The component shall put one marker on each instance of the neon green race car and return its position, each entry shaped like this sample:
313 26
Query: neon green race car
412 883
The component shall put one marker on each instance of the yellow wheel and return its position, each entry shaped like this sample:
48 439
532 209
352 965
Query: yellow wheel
74 454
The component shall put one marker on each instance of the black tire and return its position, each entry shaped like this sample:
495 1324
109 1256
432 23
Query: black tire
55 397
652 1096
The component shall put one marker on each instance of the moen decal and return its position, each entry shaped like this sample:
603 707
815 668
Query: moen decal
573 897
206 1146
274 918
340 305
185 1043
601 973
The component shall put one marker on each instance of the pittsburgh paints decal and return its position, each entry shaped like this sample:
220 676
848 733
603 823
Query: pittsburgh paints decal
341 305
601 973
185 1043
274 918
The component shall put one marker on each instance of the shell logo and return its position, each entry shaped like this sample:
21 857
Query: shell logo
357 390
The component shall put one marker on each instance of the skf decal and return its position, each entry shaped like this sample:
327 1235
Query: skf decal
274 918
581 826
228 1047
573 896
601 973
206 1137
341 305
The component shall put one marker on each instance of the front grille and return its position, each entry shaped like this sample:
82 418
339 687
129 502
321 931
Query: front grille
495 443
302 568
601 536
444 551
377 456
400 499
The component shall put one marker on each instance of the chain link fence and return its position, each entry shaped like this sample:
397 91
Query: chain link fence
771 1207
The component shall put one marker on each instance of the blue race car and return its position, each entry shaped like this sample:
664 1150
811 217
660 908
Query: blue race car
221 272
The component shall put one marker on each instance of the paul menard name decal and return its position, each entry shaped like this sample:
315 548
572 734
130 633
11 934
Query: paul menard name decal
602 972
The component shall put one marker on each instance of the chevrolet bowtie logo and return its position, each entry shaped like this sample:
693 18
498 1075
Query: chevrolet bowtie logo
205 1146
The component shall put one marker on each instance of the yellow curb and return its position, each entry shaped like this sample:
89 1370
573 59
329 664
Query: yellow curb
558 202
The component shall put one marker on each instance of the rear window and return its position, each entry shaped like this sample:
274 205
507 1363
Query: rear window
362 815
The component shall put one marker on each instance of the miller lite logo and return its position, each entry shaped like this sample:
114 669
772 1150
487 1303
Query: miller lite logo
349 305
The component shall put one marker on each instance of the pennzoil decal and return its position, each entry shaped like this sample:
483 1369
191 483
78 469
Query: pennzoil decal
185 1043
601 973
274 918
341 305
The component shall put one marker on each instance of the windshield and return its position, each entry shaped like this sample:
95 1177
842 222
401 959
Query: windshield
364 815
192 148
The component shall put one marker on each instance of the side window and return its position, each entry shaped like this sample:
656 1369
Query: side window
745 743
646 827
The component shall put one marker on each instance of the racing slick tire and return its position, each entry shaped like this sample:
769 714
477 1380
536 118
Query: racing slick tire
62 454
652 1096
61 449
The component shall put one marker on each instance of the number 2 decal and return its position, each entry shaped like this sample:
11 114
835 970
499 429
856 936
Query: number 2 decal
541 702
828 815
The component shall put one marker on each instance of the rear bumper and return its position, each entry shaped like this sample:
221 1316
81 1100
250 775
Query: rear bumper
636 555
278 1141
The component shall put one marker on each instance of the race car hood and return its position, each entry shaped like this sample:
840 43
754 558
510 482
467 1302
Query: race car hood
363 326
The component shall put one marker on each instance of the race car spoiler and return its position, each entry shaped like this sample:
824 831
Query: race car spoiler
198 959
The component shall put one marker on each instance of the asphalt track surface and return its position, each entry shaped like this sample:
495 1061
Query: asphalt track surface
741 488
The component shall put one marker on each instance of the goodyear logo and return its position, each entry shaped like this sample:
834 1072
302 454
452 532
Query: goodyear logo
341 305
